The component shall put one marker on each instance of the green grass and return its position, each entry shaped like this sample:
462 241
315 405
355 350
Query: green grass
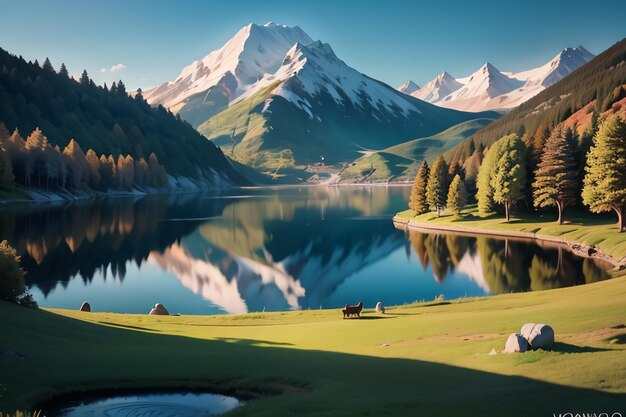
402 161
585 228
425 359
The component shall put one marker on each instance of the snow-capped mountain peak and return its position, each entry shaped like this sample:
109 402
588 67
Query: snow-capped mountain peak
565 62
438 88
253 52
408 87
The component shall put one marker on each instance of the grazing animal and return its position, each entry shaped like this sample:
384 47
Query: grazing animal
380 308
349 311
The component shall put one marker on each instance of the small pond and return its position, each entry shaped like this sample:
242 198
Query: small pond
183 404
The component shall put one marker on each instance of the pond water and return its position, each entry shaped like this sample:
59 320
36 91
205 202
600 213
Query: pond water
265 249
146 405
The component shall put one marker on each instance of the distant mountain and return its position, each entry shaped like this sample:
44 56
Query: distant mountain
107 121
408 87
443 85
490 89
598 85
305 107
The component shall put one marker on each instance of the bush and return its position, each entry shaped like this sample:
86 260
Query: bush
12 285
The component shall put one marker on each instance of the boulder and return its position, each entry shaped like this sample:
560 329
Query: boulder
515 343
159 310
380 308
85 306
539 336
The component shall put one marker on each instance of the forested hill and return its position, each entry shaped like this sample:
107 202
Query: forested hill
597 85
105 120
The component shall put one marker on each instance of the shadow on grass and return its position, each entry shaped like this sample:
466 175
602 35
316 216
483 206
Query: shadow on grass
125 326
568 348
341 384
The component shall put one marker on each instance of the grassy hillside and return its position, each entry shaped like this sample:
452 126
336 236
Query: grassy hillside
596 80
425 359
107 121
402 161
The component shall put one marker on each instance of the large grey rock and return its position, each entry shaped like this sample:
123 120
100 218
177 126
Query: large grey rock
539 336
85 306
515 343
159 310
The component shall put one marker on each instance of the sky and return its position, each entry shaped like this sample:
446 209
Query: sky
145 43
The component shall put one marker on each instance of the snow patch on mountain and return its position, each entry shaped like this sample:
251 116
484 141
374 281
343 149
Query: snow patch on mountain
408 87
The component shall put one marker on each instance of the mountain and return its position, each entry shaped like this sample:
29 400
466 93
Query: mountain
314 107
107 121
274 99
207 86
481 89
598 85
401 162
408 87
437 89
490 89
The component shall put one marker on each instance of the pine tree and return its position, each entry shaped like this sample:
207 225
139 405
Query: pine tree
604 186
63 71
509 177
437 187
84 78
457 195
484 195
47 65
418 202
555 178
121 88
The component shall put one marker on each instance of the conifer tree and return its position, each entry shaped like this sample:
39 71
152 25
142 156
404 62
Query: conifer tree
457 195
94 168
484 195
604 186
418 202
84 78
509 177
47 65
555 178
437 187
63 71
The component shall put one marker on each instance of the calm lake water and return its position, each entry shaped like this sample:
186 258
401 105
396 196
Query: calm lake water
265 249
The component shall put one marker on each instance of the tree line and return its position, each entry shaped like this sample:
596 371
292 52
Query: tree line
34 162
103 118
557 168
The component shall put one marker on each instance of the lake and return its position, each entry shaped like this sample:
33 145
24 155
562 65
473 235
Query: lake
265 249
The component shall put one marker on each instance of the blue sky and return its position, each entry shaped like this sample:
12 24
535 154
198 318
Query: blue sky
389 40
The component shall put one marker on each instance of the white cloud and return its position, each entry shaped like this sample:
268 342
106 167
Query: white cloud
118 67
114 68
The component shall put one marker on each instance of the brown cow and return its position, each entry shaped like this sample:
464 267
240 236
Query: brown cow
352 310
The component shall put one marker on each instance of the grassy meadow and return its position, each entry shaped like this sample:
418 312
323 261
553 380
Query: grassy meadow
430 359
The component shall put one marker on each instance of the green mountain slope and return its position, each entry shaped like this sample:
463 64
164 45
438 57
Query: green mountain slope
596 80
107 121
402 161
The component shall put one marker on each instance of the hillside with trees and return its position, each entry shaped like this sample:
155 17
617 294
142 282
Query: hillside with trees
592 92
53 125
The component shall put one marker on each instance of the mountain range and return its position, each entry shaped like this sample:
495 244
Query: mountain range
491 89
274 99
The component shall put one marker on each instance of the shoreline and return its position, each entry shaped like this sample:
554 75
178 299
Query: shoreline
578 248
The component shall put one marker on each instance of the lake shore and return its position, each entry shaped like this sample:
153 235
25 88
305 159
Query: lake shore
599 240
407 362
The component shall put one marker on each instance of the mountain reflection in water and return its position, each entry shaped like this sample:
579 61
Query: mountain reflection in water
265 249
